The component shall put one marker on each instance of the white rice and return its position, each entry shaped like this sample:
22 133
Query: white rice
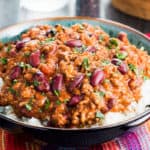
110 117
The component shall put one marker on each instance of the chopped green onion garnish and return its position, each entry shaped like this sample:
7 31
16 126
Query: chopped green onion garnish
113 43
56 92
77 50
48 40
47 103
146 78
36 83
101 37
14 81
121 55
99 115
142 48
105 62
3 61
132 68
100 93
8 48
12 91
58 102
88 74
85 63
28 106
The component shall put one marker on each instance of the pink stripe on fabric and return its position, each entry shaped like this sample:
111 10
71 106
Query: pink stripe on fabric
144 137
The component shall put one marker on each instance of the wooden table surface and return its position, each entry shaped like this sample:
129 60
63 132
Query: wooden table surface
93 8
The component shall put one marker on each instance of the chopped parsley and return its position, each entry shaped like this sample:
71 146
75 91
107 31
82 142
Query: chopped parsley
121 56
28 106
58 102
88 74
14 81
146 78
12 91
24 65
142 48
99 115
56 92
105 62
77 50
36 83
132 68
4 61
47 103
85 63
101 38
113 43
100 93
48 40
8 48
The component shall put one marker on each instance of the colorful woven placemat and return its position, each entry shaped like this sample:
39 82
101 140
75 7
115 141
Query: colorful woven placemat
137 138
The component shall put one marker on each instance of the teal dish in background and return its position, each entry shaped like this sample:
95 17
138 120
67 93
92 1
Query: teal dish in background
112 28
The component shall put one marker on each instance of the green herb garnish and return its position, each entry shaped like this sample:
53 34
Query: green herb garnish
14 81
58 102
121 56
24 65
132 68
146 78
142 48
36 83
101 38
100 93
12 91
99 115
88 74
113 43
8 48
85 63
105 62
47 103
48 40
56 92
28 106
4 61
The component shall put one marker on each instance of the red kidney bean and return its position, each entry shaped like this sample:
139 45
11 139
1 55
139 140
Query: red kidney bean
123 68
91 49
15 72
57 82
97 77
74 100
122 36
42 83
116 61
20 45
74 43
110 103
76 82
34 58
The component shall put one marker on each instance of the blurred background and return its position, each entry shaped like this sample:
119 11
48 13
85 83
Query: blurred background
134 13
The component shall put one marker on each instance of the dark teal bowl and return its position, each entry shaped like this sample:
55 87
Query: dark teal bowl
81 136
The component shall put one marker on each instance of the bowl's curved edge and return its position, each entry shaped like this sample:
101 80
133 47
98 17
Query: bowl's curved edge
130 29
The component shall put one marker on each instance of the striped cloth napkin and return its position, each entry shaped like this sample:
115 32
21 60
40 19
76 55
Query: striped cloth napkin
137 138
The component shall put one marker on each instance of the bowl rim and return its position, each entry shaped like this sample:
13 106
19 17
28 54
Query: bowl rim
106 21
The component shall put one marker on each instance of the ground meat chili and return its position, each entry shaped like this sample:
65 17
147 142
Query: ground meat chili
71 76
